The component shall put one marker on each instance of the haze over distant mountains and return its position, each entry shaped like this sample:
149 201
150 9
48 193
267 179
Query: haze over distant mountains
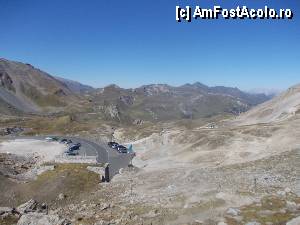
266 91
25 88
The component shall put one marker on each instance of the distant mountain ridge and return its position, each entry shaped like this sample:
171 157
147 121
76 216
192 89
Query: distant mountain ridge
75 86
160 102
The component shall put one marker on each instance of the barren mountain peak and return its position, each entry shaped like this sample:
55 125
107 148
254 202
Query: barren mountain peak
281 107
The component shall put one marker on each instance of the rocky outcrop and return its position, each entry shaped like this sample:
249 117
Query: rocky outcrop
5 211
32 206
127 99
32 213
138 122
10 130
295 221
41 219
6 81
156 89
61 196
111 111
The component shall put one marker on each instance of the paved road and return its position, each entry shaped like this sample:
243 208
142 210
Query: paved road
104 153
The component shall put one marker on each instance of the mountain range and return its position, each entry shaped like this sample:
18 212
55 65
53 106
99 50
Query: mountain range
26 89
161 102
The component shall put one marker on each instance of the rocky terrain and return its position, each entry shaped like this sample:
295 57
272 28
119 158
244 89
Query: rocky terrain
230 174
280 108
31 212
200 159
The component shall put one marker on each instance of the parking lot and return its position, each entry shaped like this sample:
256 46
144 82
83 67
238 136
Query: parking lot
102 152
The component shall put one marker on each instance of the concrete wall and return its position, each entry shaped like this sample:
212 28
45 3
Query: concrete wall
76 159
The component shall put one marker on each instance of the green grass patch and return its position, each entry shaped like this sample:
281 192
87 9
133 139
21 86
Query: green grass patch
73 180
10 220
70 179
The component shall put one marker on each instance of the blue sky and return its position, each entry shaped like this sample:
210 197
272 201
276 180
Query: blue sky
136 42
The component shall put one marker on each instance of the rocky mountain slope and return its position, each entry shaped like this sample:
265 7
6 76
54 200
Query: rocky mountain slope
29 89
205 171
278 109
161 102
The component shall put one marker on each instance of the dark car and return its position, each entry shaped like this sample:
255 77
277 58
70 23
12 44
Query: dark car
63 141
73 148
122 149
55 139
113 145
78 144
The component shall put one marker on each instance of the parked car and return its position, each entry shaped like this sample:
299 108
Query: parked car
51 139
113 145
74 147
78 144
63 141
122 149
